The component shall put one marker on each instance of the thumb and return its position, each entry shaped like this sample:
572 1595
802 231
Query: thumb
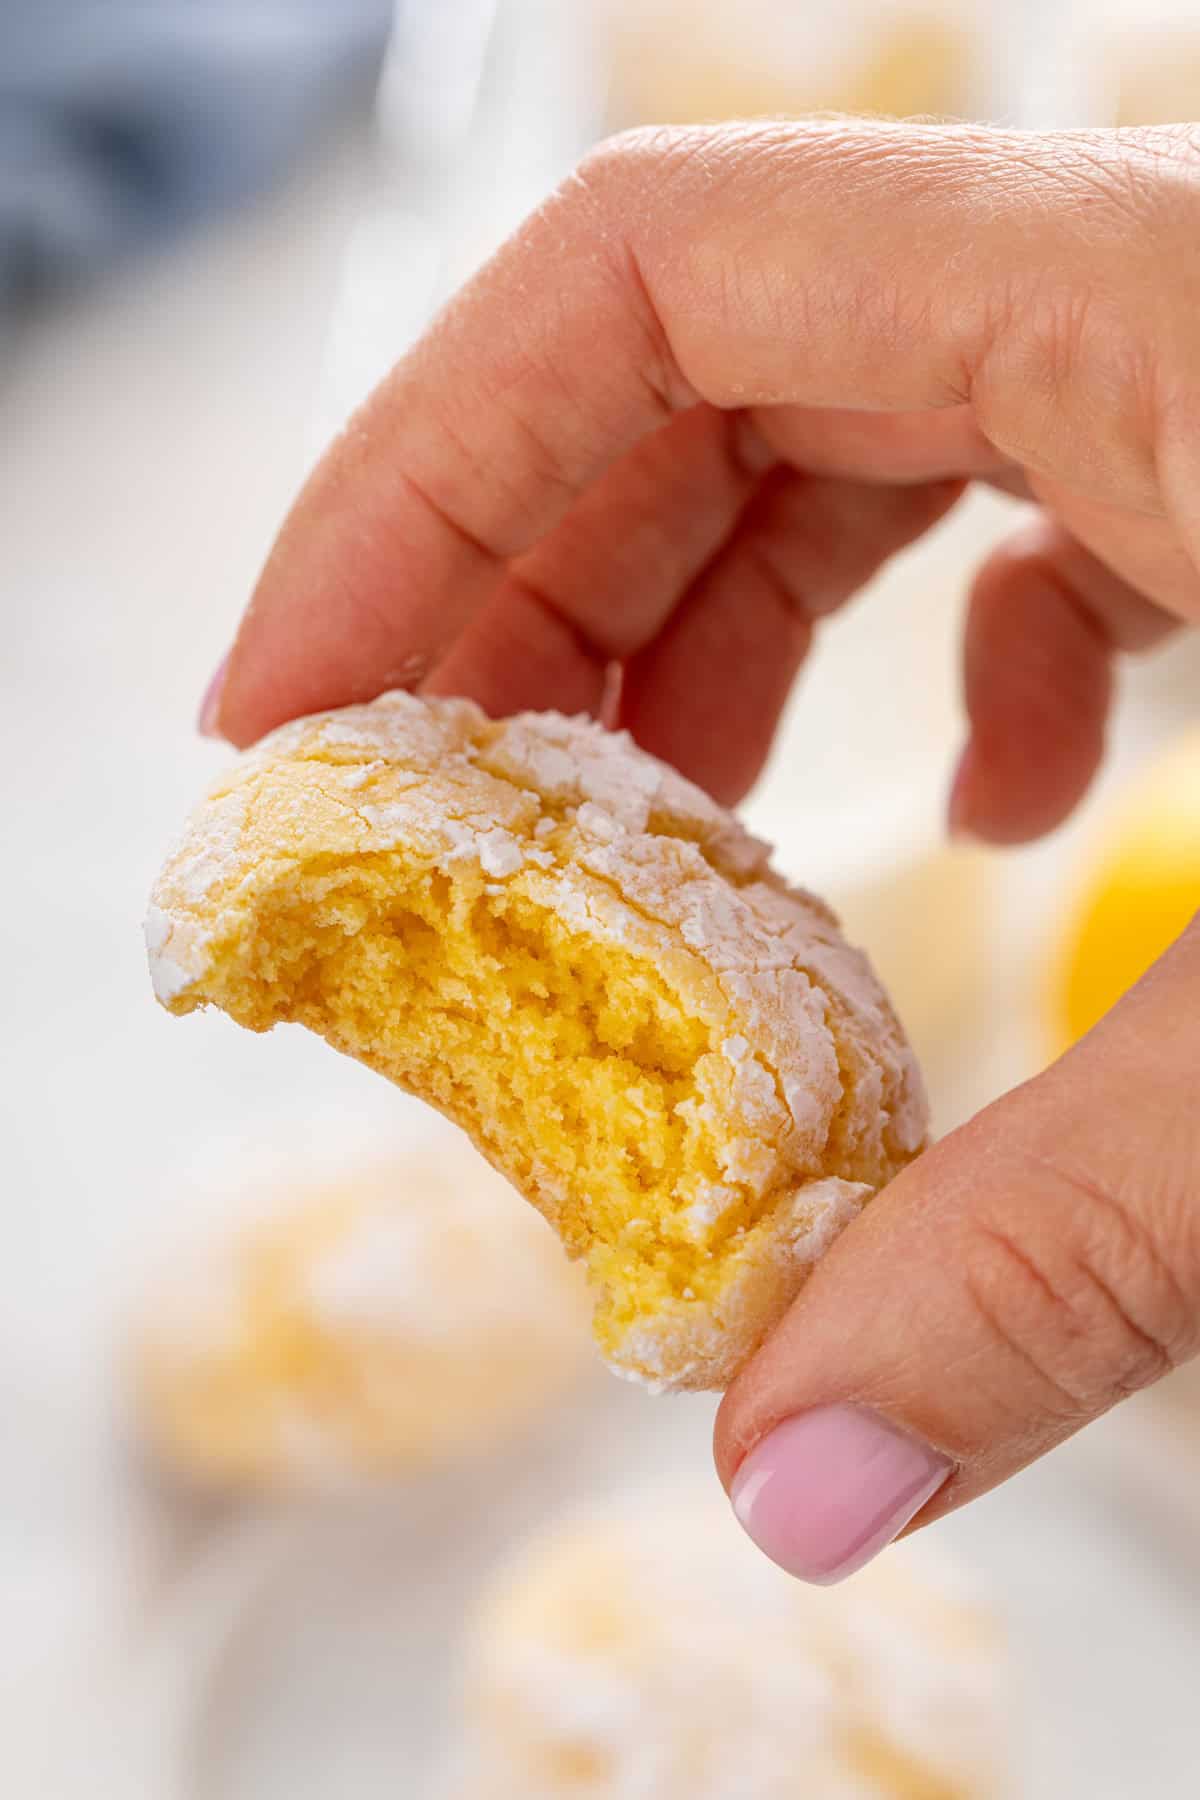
1031 1270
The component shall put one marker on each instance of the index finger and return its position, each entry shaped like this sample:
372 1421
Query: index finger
838 265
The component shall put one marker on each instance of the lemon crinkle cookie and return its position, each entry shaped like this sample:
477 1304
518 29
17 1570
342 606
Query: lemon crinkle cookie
586 963
400 1316
647 1649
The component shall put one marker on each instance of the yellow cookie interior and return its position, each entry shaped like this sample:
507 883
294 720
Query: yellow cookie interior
576 1066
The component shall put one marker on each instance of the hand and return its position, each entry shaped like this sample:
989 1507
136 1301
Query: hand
685 412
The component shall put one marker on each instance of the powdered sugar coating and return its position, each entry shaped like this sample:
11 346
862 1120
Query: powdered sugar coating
809 1085
648 1652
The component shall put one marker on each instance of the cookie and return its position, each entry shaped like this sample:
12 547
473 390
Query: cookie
649 1649
588 965
406 1315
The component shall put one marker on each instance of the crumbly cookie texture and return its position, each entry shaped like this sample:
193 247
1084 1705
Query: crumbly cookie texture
406 1315
649 1649
587 964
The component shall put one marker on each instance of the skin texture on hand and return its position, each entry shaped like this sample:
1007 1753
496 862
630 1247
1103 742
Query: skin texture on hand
1027 1273
717 379
685 412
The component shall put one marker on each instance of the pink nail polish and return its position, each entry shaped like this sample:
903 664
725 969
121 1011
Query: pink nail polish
829 1489
210 706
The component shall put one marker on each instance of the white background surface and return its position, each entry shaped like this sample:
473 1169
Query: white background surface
150 437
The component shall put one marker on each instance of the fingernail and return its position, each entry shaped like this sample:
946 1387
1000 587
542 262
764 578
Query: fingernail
828 1490
956 810
210 706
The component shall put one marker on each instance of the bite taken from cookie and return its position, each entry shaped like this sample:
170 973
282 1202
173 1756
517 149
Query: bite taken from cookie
585 962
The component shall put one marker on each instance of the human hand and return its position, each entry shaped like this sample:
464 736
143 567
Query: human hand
689 409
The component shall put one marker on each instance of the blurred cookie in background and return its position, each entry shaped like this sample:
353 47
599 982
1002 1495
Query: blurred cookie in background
1153 51
679 62
855 795
1136 896
411 1312
648 1648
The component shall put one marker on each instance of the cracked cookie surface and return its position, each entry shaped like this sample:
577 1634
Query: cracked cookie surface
586 963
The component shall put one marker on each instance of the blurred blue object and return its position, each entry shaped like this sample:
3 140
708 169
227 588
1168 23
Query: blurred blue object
123 120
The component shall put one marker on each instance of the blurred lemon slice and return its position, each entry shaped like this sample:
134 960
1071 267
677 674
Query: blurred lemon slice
1140 893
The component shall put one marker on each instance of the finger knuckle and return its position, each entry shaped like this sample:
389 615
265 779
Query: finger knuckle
1087 1302
645 154
1073 340
1162 171
608 198
1028 1320
1131 1260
